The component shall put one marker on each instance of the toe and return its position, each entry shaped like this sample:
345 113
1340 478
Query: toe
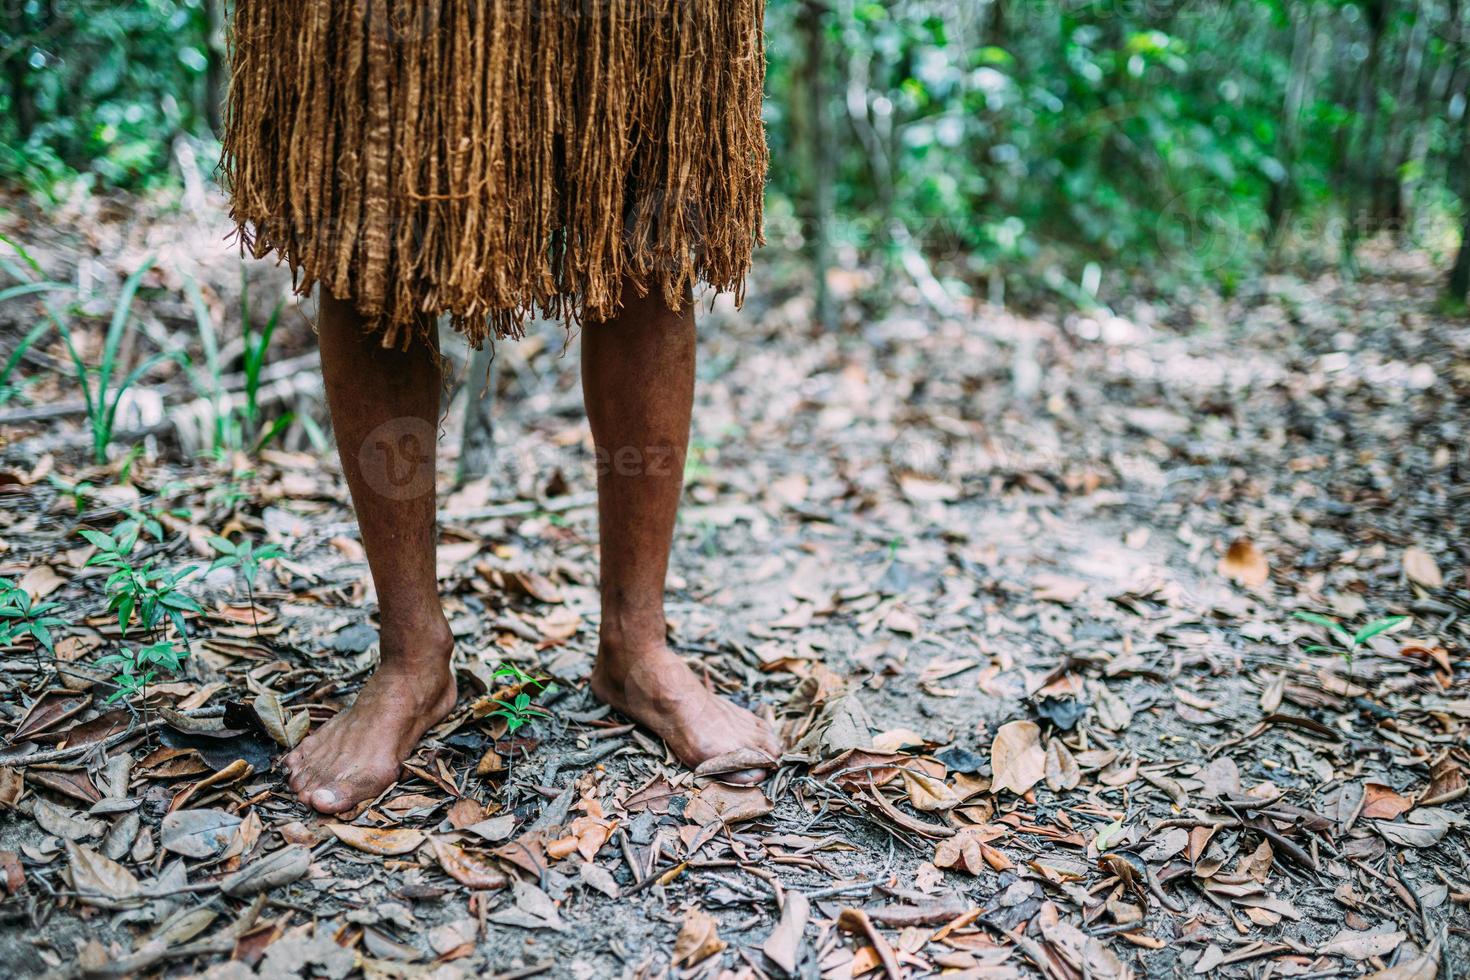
296 778
745 777
328 800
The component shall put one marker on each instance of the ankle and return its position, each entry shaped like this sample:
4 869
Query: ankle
624 637
415 648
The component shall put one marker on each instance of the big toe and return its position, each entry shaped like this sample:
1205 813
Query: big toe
745 777
328 799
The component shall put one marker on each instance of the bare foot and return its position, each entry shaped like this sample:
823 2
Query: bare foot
357 754
659 690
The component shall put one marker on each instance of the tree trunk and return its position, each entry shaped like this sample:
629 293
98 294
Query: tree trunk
477 448
1283 191
217 77
816 132
1365 122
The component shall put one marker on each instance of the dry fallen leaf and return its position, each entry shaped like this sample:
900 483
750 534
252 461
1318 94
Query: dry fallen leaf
198 833
377 840
278 868
1062 772
698 939
1421 568
99 881
729 804
1245 563
783 945
1016 757
927 793
1356 945
466 868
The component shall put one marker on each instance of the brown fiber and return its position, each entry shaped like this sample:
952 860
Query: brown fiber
495 159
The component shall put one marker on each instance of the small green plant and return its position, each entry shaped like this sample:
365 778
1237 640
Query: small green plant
247 558
9 387
21 616
244 556
102 389
137 667
1347 644
519 711
138 521
236 428
78 492
144 590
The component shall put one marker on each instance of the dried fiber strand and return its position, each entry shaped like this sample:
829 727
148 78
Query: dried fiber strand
498 161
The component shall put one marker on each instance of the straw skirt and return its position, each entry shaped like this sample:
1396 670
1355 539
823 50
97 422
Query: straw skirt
494 160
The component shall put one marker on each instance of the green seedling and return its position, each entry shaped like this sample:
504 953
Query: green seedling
247 558
22 616
102 388
10 386
1347 644
150 593
236 429
138 521
244 556
78 492
136 668
519 711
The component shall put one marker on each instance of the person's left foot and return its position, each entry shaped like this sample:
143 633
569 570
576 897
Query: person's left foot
357 754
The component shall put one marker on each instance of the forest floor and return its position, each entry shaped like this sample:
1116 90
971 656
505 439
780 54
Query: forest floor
1022 593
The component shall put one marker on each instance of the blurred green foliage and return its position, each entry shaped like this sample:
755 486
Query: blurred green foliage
1009 143
98 91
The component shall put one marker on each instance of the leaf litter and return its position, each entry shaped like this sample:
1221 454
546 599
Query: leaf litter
1068 690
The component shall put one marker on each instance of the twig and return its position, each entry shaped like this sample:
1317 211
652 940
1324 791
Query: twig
56 755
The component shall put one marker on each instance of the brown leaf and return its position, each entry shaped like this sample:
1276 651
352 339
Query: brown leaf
1425 966
14 874
967 850
274 720
49 709
926 793
1354 945
1245 563
1016 757
1062 772
468 869
698 939
1380 802
234 772
385 841
98 880
1446 783
728 804
783 945
64 823
12 784
40 581
275 869
1421 569
198 833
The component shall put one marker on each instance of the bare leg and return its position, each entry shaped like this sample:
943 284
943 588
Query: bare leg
384 406
638 382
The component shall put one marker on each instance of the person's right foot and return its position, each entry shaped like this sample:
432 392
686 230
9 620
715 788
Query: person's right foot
658 690
357 754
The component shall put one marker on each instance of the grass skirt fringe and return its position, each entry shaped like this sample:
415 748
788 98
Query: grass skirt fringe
492 159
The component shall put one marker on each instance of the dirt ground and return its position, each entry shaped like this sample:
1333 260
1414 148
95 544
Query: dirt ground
1022 592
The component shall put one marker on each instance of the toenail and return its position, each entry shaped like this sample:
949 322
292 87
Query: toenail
324 797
